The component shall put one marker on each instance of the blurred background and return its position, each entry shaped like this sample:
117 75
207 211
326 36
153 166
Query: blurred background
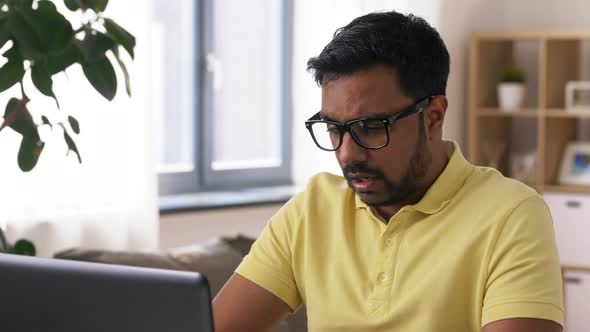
212 141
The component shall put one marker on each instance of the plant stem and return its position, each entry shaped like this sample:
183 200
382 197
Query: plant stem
8 120
22 90
80 29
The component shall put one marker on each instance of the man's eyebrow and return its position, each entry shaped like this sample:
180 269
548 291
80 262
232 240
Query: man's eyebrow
380 116
383 115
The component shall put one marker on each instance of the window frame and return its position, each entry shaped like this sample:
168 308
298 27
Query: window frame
203 178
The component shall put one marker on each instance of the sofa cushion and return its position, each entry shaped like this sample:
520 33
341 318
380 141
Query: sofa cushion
216 259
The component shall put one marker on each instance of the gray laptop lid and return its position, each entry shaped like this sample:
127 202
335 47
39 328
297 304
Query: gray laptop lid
42 294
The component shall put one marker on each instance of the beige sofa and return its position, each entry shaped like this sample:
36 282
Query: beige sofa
216 260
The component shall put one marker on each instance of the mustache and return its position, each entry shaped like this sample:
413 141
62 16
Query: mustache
361 168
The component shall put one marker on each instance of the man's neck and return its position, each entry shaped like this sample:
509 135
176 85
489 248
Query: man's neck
440 160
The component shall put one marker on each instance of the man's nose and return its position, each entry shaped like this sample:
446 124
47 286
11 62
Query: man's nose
350 152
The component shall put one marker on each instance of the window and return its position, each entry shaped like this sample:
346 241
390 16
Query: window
221 82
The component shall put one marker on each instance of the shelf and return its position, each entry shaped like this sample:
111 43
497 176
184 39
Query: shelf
575 268
562 113
520 113
542 127
567 189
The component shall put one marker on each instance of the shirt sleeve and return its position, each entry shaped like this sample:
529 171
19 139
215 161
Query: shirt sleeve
269 263
524 274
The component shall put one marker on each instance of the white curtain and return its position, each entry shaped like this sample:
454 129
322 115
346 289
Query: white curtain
108 201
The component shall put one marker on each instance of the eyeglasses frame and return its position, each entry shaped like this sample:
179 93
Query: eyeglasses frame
346 127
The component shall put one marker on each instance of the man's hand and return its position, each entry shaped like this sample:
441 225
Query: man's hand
244 306
522 325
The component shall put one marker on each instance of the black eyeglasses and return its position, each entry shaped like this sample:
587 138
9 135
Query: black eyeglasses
370 133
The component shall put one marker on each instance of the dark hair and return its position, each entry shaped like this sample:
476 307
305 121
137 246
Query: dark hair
407 43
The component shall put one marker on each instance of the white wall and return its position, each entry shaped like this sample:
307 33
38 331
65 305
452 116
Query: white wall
551 15
458 19
546 14
181 229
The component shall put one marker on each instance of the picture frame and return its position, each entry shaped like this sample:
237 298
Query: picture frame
575 164
577 96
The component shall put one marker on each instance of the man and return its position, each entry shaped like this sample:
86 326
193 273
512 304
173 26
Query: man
413 238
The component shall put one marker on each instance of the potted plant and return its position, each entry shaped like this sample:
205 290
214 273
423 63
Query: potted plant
511 90
20 247
44 43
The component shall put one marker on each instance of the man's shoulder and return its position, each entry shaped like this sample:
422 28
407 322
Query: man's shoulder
491 187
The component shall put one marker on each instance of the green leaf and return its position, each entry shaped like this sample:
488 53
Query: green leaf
102 77
4 33
125 72
26 3
18 118
95 45
96 5
61 61
20 3
29 152
42 80
11 73
13 54
72 145
51 26
72 5
46 120
40 31
24 247
28 41
120 35
74 124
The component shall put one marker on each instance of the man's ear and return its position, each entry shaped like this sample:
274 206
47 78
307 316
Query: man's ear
434 116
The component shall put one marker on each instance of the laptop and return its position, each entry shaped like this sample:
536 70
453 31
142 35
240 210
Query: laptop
43 294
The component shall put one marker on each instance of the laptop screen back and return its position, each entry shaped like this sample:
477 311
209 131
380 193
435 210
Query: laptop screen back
41 294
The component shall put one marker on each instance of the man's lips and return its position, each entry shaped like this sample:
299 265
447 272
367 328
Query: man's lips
361 183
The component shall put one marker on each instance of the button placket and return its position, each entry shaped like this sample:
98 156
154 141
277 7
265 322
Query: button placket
385 269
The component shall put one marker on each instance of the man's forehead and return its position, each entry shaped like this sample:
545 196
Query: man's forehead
377 85
345 104
371 114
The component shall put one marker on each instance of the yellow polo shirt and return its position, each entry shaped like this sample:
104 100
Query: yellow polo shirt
477 248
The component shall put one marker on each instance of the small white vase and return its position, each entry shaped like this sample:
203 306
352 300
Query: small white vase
511 96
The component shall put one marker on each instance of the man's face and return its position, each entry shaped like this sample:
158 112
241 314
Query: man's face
389 175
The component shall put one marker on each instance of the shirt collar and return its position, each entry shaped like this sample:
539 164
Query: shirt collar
446 185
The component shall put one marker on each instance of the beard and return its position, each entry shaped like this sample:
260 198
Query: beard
397 191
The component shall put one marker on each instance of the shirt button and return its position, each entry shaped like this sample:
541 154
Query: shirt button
382 276
389 242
